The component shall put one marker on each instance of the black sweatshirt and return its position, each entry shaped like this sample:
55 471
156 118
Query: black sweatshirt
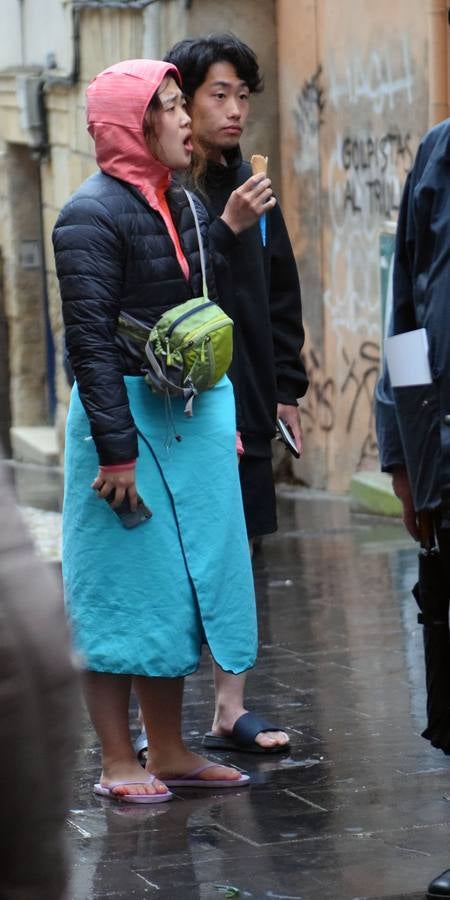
260 290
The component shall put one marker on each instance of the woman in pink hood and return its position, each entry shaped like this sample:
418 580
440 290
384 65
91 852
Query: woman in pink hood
143 601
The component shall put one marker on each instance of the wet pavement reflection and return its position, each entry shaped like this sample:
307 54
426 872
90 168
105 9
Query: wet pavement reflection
359 809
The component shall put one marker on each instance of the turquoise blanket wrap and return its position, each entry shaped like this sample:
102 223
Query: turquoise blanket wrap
143 601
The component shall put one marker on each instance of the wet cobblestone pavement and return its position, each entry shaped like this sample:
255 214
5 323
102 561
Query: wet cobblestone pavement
360 809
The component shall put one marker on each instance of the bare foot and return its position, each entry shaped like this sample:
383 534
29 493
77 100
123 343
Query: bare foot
132 779
181 762
272 739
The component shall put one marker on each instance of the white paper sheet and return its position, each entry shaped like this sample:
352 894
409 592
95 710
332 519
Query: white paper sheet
407 358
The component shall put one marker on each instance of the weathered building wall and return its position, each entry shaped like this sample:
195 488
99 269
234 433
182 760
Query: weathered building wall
353 106
33 33
24 288
26 48
22 280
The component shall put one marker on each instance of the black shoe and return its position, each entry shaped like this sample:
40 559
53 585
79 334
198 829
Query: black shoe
440 886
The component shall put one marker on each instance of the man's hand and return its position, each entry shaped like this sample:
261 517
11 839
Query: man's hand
291 416
402 490
120 482
248 203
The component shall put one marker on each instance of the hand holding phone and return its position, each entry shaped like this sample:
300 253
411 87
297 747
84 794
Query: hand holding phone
129 518
285 435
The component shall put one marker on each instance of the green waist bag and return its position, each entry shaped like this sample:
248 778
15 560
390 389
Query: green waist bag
190 347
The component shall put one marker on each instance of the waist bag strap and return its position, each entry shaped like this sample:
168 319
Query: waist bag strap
188 393
200 242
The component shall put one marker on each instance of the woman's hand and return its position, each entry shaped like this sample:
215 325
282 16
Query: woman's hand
248 203
119 480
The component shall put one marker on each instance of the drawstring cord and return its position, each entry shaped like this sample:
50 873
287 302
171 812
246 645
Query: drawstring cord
171 431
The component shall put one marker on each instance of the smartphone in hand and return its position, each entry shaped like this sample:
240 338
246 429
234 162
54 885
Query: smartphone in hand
285 435
130 517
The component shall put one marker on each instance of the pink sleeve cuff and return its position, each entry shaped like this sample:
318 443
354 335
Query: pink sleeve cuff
119 467
239 445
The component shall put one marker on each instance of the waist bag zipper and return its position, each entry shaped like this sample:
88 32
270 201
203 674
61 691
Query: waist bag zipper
198 333
186 315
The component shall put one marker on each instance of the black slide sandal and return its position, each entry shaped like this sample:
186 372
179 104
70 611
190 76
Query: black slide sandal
242 738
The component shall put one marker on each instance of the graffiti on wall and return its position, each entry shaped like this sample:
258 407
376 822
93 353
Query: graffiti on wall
310 104
355 386
355 141
365 181
318 404
375 169
379 79
358 384
366 172
308 112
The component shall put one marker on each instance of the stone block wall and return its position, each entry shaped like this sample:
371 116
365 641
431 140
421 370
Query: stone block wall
20 237
107 36
353 107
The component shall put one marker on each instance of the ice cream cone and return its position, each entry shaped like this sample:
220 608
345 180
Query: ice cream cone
259 164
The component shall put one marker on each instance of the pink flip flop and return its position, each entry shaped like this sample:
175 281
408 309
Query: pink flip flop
191 779
103 791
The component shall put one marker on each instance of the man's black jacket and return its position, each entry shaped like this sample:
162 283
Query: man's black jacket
413 423
260 290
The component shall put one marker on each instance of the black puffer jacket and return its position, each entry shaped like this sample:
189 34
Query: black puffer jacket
108 232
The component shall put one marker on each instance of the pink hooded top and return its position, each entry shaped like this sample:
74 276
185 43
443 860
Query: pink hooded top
117 100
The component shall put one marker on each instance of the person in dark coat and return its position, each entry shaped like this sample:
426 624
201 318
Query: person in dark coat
39 707
260 291
413 422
